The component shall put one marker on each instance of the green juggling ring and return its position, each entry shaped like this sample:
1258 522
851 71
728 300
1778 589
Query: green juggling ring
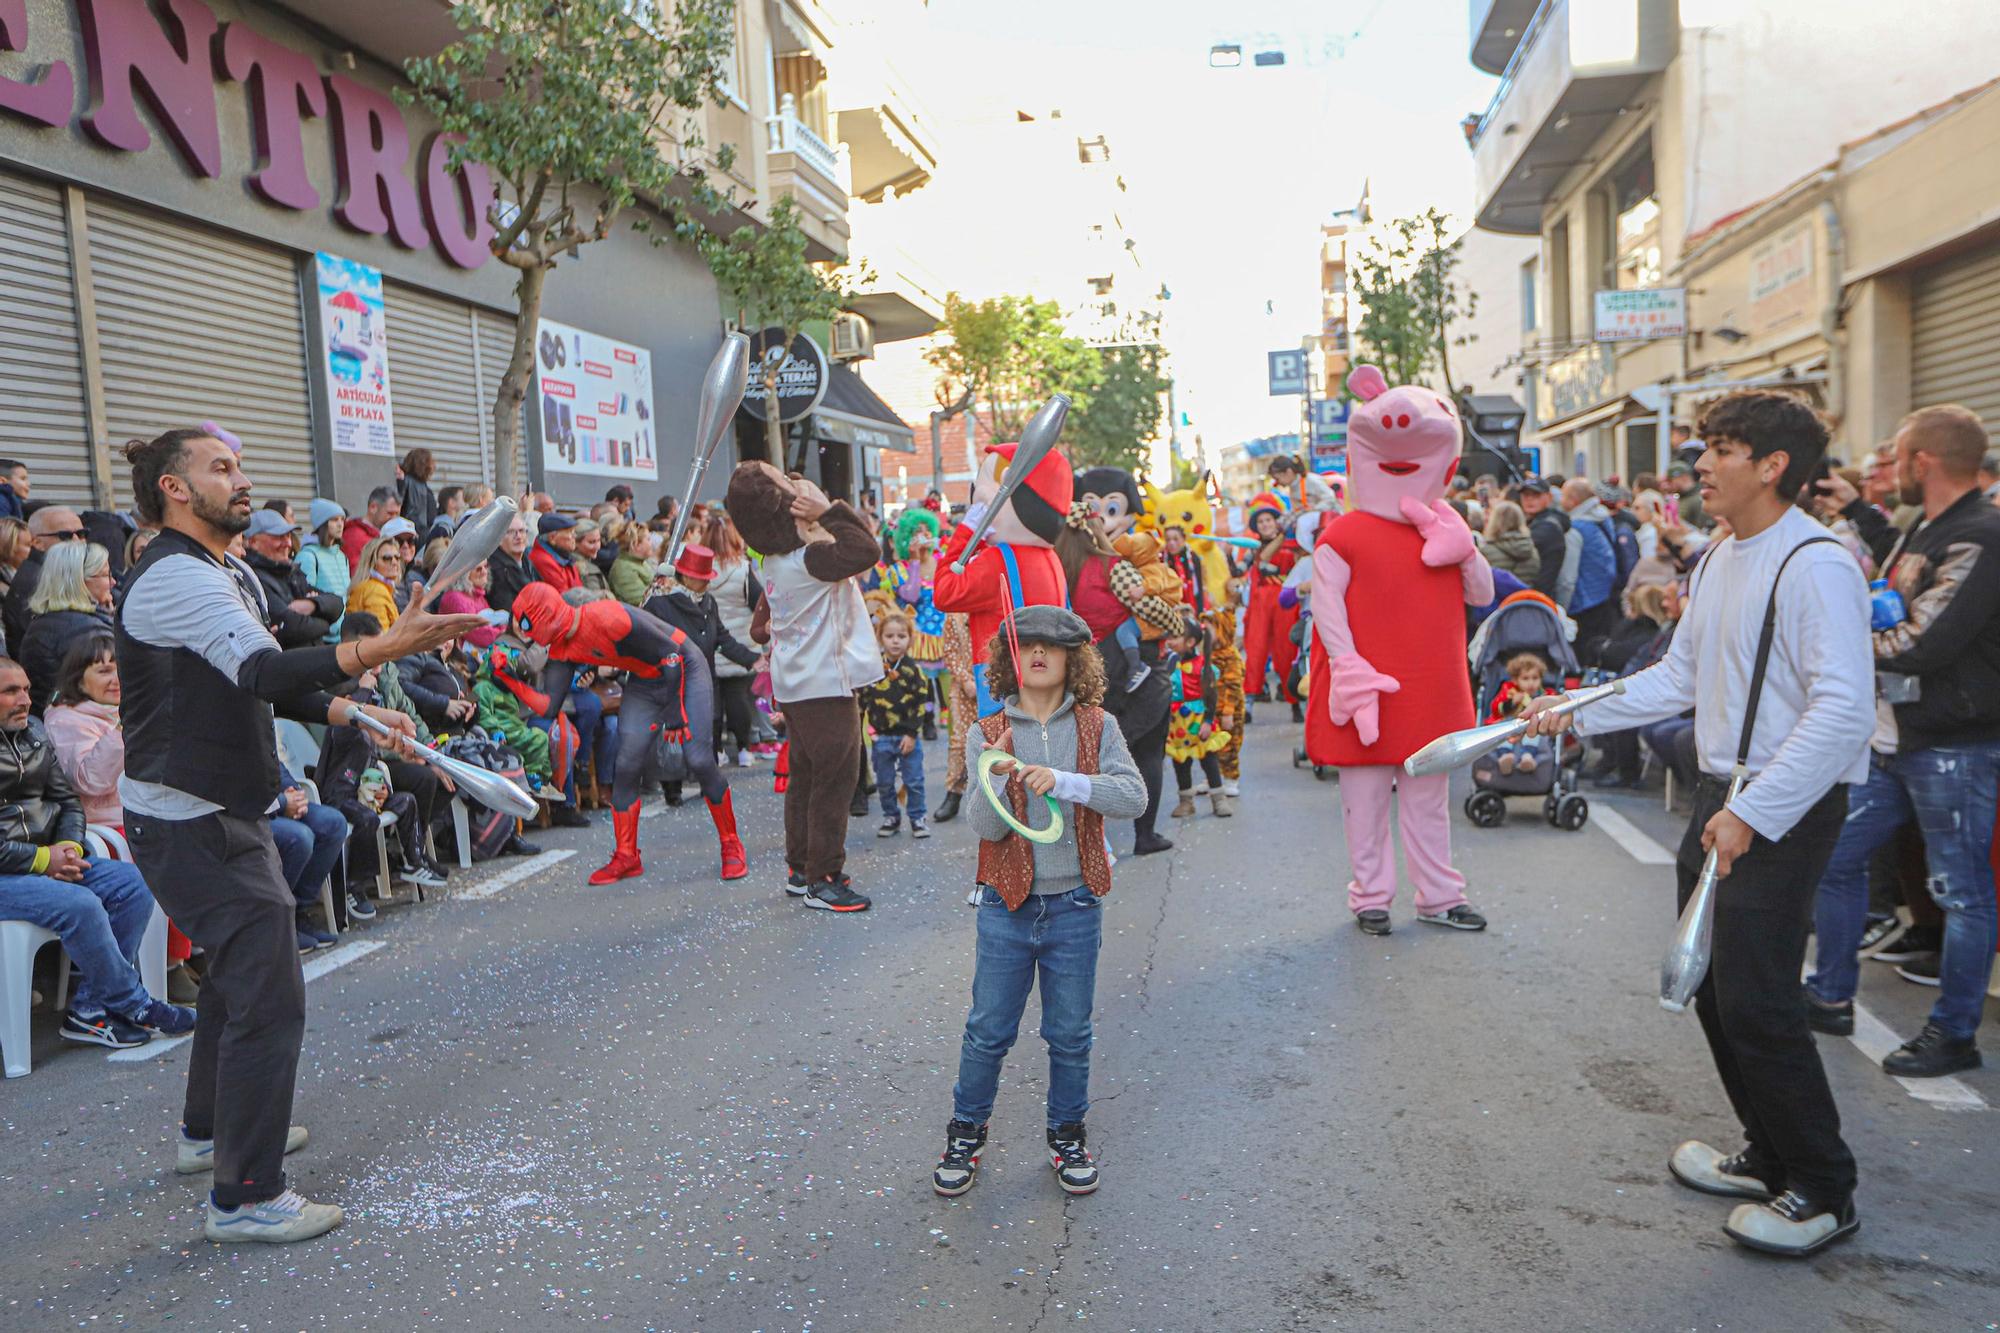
987 760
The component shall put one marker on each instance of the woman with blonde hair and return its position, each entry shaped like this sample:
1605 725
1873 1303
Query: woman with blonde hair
736 591
1506 544
15 543
631 576
377 573
72 600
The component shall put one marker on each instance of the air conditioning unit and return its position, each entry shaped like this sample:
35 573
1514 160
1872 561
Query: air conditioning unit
853 337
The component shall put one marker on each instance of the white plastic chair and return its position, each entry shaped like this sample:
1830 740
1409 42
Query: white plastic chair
19 942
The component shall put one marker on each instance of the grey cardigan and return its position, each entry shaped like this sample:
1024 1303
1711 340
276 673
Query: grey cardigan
1116 789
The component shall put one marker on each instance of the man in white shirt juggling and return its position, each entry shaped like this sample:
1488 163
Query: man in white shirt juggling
1807 740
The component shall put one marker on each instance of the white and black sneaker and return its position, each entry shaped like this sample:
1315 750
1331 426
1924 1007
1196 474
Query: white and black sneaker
103 1030
890 827
421 875
919 829
1461 917
836 895
1882 932
1076 1170
359 908
958 1169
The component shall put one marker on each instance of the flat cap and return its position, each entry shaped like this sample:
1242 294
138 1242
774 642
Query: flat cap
1050 624
555 523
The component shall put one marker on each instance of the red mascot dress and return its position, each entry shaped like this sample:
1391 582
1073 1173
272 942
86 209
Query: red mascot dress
1267 629
666 683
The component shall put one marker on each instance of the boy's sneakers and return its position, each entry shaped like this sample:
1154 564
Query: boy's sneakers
1881 932
959 1167
104 1030
169 1020
421 875
359 908
323 939
835 895
192 1156
308 941
1075 1169
919 829
890 827
1461 917
273 1222
796 884
1137 678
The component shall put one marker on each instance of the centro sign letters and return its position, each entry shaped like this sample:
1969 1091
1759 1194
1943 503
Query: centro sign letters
173 60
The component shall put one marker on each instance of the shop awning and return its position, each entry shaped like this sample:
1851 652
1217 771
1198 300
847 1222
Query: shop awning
852 413
1603 412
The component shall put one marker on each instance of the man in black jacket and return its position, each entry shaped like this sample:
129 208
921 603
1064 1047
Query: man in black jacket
1936 751
99 907
46 527
1548 526
508 567
301 614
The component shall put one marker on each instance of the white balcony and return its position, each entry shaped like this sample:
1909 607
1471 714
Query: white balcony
789 134
1577 66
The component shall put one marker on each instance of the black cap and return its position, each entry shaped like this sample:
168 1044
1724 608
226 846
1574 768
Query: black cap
1050 624
1534 485
554 523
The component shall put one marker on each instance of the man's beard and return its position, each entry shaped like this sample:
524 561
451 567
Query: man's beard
222 516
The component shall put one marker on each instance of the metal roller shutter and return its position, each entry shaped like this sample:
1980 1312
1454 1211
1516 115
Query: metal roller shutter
42 417
496 345
1955 335
197 325
434 383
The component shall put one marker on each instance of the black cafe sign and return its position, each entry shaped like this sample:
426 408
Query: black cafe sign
802 377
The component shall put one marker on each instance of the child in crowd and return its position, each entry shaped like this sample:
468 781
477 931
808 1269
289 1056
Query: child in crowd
353 779
1525 682
1194 732
895 706
1040 911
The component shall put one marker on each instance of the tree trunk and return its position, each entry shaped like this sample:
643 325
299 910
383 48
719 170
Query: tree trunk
507 478
774 429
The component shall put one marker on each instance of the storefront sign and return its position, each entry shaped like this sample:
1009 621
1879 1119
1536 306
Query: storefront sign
802 377
1641 313
132 47
1575 383
1781 278
1287 372
356 368
597 403
846 431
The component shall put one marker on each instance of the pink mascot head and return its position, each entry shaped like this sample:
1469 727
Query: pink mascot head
1401 443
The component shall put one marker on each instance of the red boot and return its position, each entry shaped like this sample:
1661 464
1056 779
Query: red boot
624 862
735 863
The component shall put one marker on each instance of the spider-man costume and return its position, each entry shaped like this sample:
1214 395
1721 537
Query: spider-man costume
666 684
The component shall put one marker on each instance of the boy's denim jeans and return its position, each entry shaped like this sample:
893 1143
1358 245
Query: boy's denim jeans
308 849
101 922
1951 792
1057 935
890 765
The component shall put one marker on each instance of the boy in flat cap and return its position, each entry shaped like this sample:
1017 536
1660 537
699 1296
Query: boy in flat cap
1040 910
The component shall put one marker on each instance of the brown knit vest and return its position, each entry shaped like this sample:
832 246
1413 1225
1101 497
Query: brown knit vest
1009 864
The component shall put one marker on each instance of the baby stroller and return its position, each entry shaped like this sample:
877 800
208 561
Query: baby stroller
1526 622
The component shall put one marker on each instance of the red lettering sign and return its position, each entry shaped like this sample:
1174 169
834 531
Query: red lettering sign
285 88
47 101
558 388
130 52
597 368
586 423
626 355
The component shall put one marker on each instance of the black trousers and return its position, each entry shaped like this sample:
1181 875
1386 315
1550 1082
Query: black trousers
735 713
1211 768
1149 752
1752 1005
219 878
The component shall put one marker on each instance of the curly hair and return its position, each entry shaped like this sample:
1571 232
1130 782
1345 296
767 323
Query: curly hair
1768 421
1084 677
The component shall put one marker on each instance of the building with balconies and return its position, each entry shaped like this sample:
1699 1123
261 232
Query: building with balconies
1622 128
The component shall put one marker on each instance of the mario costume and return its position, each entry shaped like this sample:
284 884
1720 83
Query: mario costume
667 682
1391 579
1267 629
1016 564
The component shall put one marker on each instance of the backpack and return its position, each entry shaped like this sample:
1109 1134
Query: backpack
490 829
1624 539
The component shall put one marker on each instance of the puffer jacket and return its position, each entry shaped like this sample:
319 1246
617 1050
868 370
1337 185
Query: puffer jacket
736 592
38 807
1514 552
1598 569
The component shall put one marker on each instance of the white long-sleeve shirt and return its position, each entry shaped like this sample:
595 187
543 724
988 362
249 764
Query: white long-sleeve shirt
1818 706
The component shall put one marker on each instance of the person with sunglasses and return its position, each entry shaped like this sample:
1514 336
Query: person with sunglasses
47 527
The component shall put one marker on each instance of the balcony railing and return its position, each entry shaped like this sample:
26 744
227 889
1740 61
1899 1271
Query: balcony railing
791 135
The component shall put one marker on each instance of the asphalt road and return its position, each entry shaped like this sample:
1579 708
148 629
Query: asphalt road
674 1104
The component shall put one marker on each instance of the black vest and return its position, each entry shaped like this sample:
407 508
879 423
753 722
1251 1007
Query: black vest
188 726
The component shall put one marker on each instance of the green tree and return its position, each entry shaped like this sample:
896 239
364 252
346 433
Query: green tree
1012 353
764 274
580 109
1124 411
1406 283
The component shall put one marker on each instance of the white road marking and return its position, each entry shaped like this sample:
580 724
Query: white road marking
315 968
1629 836
514 874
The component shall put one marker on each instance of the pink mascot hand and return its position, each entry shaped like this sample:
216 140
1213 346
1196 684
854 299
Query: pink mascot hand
1355 695
1447 541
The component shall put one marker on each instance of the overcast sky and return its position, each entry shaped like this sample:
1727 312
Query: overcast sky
1231 171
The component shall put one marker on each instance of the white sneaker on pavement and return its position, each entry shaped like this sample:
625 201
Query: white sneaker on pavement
744 759
195 1155
278 1221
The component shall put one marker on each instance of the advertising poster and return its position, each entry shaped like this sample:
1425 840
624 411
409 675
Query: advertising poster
357 356
596 400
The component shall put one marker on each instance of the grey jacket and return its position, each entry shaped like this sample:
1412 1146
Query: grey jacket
1116 789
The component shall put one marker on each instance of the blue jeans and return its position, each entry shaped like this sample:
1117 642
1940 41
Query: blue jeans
1951 791
101 921
309 848
1057 934
889 765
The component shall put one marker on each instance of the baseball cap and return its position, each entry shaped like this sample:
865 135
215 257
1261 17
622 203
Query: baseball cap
268 523
1534 486
399 527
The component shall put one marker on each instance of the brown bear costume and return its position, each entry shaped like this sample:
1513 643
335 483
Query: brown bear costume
822 651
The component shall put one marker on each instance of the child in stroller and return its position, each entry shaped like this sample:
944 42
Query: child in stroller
1521 651
1526 672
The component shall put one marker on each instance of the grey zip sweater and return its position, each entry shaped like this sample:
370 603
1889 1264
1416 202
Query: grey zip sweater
1116 789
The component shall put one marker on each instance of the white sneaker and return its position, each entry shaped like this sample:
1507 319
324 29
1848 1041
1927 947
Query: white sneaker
276 1221
744 759
197 1155
422 875
1229 789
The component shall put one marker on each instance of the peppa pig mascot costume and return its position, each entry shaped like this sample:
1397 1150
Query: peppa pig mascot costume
1391 580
